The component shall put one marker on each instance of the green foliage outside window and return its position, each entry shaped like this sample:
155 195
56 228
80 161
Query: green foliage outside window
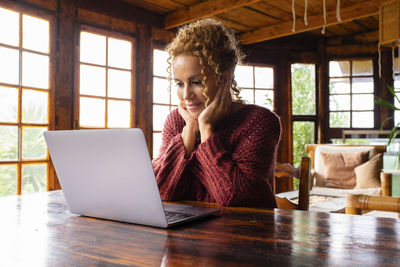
303 103
34 147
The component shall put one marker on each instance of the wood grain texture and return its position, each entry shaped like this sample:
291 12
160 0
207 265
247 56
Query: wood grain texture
40 226
202 10
356 11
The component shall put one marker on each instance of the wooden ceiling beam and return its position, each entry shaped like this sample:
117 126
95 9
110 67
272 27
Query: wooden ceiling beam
349 13
202 10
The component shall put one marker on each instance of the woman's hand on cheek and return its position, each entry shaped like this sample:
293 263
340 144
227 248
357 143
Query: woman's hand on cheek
190 121
189 130
215 111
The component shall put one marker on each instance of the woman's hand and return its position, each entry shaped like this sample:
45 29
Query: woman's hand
189 131
216 110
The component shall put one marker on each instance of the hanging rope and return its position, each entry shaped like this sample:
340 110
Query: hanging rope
324 7
379 61
294 17
393 68
338 11
305 12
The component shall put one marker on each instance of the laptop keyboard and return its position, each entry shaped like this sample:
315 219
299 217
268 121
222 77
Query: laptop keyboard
175 216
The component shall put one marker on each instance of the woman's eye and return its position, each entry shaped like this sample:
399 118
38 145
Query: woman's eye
178 84
197 82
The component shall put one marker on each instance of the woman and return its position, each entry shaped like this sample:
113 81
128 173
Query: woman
214 148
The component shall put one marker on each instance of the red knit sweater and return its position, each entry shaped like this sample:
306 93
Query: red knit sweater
234 166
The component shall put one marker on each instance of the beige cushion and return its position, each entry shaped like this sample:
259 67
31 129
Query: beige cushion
319 175
339 168
368 174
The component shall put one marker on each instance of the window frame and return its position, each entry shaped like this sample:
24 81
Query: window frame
156 46
336 132
77 63
53 61
306 118
274 75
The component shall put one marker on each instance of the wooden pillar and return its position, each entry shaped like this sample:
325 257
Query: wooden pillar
284 110
143 109
64 86
64 95
381 89
323 94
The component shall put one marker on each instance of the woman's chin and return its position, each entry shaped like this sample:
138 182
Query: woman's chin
195 115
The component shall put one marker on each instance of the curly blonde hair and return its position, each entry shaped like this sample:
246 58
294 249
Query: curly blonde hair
214 44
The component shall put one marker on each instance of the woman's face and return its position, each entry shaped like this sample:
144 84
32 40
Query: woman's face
186 70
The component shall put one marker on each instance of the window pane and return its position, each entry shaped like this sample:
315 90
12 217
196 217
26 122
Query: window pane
174 96
8 104
247 96
9 66
92 112
303 133
339 119
33 144
397 82
119 83
8 143
119 53
34 106
339 102
339 86
93 48
244 76
9 34
363 119
264 77
362 67
363 85
8 180
35 70
160 63
265 98
339 68
34 178
92 81
363 102
160 113
119 113
157 139
35 34
160 91
303 89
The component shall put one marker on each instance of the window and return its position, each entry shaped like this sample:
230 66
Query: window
351 94
397 89
105 81
304 115
164 97
25 88
256 85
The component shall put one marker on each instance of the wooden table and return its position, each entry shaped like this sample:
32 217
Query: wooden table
38 230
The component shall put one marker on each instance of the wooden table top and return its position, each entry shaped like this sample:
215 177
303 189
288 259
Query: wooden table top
38 230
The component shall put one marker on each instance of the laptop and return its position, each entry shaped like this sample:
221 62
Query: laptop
108 174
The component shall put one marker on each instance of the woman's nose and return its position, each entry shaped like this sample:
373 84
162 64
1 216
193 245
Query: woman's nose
187 92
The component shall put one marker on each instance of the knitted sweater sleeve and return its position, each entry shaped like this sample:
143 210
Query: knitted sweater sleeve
242 175
171 164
